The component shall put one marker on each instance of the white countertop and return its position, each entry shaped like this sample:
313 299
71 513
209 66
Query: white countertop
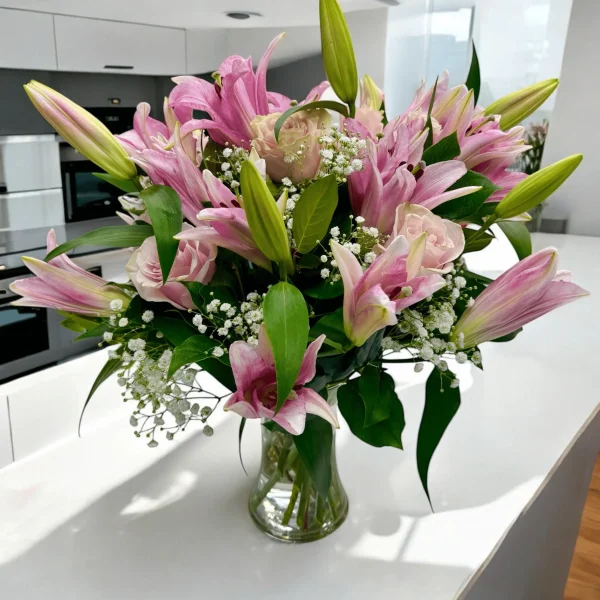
104 517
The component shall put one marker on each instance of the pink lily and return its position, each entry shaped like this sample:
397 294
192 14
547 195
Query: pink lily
62 285
386 180
236 98
227 228
151 134
256 395
394 281
485 148
525 292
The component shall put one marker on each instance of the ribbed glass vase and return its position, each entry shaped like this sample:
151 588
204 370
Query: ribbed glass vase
285 503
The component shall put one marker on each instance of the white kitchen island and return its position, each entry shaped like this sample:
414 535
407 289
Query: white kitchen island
106 518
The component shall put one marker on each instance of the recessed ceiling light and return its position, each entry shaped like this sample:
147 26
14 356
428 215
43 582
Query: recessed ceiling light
241 15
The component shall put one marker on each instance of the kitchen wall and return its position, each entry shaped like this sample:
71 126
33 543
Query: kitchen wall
572 127
296 79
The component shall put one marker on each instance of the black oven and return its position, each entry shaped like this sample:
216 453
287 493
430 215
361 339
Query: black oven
32 338
86 196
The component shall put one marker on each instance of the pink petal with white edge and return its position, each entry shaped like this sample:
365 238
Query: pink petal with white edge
237 404
436 179
246 365
309 363
316 405
292 416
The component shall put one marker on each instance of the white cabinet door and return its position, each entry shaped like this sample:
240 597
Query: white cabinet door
26 40
94 45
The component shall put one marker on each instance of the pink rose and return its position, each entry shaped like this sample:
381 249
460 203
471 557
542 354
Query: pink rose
297 155
445 239
194 262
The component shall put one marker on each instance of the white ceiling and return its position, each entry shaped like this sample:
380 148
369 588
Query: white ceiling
192 14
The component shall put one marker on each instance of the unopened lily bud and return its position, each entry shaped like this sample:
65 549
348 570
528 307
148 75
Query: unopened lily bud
264 219
517 106
82 130
537 187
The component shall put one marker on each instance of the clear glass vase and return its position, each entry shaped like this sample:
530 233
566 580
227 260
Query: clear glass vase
284 502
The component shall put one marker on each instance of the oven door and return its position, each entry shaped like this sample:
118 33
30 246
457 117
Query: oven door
87 196
32 338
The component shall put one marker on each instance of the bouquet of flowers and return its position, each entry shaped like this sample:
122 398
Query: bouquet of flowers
287 252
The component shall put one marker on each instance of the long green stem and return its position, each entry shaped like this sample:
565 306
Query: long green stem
275 477
291 505
303 516
489 222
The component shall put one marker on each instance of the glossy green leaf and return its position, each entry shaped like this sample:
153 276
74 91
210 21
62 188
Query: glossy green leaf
309 261
332 325
323 104
378 392
193 350
128 186
164 208
428 123
94 332
109 369
313 213
519 237
314 448
264 219
77 322
176 331
338 53
286 321
119 236
474 76
325 290
477 244
441 404
446 149
383 433
460 208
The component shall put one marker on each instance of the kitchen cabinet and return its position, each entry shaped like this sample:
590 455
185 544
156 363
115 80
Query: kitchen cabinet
26 40
94 45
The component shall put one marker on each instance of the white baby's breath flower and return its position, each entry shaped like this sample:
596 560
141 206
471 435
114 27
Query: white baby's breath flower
147 316
218 352
107 336
227 152
123 322
225 167
325 273
116 304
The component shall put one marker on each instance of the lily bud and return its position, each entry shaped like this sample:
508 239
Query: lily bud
82 130
370 94
537 187
264 218
338 53
517 106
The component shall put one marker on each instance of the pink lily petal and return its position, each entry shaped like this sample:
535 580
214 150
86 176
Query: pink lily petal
309 364
435 180
316 405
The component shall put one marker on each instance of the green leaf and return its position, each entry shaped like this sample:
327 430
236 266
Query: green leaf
428 123
377 389
176 331
338 52
164 208
286 322
460 208
94 332
446 149
193 350
325 290
509 337
314 448
313 213
119 236
478 244
441 404
110 368
384 433
77 322
518 235
332 326
327 104
240 434
474 77
309 261
128 186
264 219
